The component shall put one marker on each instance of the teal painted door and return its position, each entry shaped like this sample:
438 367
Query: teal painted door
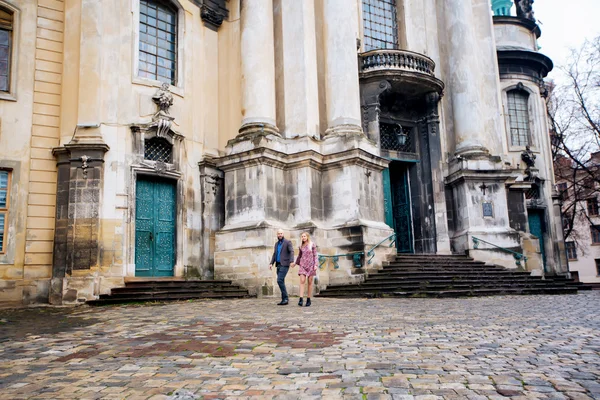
401 212
387 198
536 228
154 228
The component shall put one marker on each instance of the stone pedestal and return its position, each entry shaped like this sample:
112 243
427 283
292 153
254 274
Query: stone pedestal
477 199
76 244
331 189
212 215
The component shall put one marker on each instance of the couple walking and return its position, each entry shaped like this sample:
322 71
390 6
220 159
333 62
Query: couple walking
307 262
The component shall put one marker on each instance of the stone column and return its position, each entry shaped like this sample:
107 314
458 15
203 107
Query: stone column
341 64
258 68
299 49
464 78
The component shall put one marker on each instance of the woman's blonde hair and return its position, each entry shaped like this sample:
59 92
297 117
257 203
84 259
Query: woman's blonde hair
308 240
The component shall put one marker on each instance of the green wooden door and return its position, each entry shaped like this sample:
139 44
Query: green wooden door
536 227
401 212
155 228
387 198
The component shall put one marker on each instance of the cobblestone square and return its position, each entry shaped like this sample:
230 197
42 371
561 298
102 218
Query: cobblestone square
522 347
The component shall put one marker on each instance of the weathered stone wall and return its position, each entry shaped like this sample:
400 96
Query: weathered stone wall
30 115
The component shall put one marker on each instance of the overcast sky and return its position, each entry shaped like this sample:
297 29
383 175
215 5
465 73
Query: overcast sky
565 24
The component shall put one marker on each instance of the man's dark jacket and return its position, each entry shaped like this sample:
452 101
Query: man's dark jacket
287 253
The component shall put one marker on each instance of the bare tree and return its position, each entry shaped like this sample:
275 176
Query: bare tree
574 114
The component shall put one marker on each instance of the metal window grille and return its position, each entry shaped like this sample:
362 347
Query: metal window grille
158 149
6 28
595 232
158 41
380 24
388 134
592 206
533 193
518 115
571 250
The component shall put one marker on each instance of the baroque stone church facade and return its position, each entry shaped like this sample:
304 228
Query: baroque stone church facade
172 138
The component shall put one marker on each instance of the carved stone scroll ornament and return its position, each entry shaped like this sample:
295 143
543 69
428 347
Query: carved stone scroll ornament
211 16
525 9
162 120
529 159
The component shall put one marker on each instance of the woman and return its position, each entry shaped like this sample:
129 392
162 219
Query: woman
307 262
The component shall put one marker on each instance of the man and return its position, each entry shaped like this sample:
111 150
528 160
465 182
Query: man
283 254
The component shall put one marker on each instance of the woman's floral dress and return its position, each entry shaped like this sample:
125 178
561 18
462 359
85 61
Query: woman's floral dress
307 260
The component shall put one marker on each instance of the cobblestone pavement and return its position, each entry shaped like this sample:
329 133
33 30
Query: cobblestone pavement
523 347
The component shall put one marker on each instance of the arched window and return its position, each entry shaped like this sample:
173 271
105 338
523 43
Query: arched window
6 30
380 22
518 115
158 41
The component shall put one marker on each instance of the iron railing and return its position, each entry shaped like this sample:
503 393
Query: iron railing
518 256
356 256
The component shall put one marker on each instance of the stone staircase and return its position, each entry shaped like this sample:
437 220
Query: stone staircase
170 289
428 275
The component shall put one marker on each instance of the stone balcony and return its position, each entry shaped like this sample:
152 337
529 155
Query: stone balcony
405 70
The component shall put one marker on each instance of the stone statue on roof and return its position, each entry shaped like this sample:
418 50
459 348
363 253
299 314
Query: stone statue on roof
525 9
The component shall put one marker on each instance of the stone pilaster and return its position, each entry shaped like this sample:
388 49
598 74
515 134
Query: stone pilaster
212 214
341 68
258 68
435 169
76 246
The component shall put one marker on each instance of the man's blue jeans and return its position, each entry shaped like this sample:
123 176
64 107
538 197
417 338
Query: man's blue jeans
281 273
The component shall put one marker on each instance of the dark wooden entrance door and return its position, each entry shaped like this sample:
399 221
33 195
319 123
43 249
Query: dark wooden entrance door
398 206
155 227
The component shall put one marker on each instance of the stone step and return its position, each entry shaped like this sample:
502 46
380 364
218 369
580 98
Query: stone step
454 293
157 293
170 289
173 282
462 280
168 297
442 285
443 276
433 272
173 289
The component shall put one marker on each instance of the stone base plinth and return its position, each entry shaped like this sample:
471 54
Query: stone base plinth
243 255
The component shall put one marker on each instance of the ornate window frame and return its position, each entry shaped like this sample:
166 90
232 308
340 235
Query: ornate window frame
13 217
178 87
532 111
160 126
11 94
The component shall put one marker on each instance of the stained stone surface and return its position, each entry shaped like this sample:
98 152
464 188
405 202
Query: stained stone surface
522 347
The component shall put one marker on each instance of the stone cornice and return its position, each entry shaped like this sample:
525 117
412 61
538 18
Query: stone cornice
525 58
308 158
